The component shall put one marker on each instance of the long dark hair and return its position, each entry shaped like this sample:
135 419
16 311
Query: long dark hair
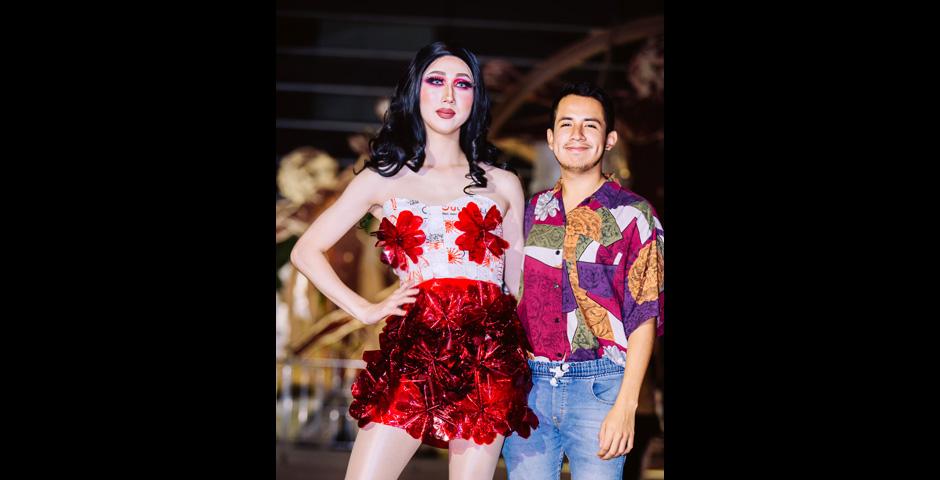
402 139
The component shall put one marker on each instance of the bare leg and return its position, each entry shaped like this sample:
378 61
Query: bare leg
380 453
470 461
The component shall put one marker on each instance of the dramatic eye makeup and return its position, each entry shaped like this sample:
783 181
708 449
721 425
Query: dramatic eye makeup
438 79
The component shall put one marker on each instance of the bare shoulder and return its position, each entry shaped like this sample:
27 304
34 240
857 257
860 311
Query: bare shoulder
505 183
501 178
404 183
366 178
372 189
369 183
505 186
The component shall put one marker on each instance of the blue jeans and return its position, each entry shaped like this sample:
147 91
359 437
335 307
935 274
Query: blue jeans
570 416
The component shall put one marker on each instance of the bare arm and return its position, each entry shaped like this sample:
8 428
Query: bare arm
638 358
308 254
511 189
617 431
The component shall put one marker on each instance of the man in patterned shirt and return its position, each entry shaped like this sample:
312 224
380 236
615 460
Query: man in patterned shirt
592 286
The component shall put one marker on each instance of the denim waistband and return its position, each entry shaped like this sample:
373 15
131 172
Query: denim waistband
585 369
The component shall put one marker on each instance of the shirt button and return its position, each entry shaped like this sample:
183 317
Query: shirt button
557 252
556 320
556 286
559 355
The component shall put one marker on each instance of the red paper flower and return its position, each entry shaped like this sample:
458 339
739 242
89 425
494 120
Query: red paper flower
477 238
399 241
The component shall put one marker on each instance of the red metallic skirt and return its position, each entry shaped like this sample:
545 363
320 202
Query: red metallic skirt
453 367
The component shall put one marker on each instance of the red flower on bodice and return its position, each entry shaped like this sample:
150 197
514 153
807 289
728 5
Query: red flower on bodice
477 237
401 240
